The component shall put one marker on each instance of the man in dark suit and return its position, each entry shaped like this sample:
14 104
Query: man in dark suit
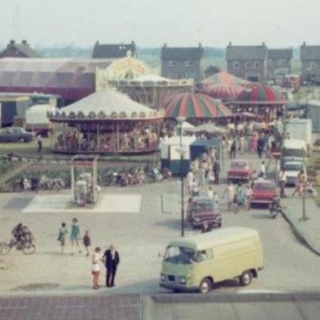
111 259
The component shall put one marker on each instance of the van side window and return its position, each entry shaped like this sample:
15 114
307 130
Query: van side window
203 255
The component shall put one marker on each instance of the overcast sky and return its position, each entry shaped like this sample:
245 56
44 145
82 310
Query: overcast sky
279 23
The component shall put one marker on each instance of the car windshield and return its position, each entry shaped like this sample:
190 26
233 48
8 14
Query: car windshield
203 205
179 255
293 166
238 165
263 186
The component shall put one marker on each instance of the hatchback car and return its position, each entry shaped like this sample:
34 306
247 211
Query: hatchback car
203 209
15 134
240 170
263 192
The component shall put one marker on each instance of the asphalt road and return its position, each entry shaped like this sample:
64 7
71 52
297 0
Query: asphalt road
141 238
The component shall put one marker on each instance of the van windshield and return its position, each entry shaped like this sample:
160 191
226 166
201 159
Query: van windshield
299 153
179 255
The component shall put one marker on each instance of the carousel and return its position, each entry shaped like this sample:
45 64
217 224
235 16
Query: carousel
150 89
265 102
195 107
106 122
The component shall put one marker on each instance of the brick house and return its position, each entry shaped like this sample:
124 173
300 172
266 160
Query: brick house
247 62
310 63
179 63
19 50
279 62
113 51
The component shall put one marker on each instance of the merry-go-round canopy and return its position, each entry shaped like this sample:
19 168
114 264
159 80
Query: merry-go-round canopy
261 95
221 91
193 106
105 105
226 78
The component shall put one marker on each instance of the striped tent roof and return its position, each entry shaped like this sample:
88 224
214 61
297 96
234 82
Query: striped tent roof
261 94
224 77
221 91
193 105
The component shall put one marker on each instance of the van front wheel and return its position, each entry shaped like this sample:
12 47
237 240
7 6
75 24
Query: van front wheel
205 285
245 278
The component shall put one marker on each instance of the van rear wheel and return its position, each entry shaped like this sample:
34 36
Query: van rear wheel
205 285
245 278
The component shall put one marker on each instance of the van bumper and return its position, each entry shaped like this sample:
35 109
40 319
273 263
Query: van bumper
173 286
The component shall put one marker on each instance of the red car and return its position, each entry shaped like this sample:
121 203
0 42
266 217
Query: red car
263 191
203 209
240 170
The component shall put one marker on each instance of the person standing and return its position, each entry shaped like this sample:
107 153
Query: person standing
39 142
229 193
112 260
233 149
63 231
216 171
87 242
95 270
282 180
75 235
260 147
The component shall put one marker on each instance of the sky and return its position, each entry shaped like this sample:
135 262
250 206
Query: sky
151 23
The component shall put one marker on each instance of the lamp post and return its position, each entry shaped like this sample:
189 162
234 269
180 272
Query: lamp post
182 151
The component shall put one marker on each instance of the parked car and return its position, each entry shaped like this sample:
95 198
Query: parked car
203 209
240 170
263 191
292 169
15 134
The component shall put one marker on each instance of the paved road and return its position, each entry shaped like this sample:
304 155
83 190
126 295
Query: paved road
140 238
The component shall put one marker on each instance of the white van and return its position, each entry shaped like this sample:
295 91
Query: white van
294 150
196 263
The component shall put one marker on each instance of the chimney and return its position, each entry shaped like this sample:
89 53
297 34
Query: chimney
165 45
12 43
230 44
97 43
200 45
25 43
304 43
263 44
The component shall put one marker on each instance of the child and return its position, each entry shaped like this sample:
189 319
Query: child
87 242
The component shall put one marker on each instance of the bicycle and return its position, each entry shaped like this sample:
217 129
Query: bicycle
27 247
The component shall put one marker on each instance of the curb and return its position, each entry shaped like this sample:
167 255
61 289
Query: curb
299 235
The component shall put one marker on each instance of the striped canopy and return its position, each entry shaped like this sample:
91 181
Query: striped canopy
262 95
224 77
193 105
221 91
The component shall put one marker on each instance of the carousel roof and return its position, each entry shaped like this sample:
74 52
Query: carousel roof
261 94
105 105
221 91
151 80
224 77
193 105
126 68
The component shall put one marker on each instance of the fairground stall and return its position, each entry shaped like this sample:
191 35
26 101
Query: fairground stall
106 122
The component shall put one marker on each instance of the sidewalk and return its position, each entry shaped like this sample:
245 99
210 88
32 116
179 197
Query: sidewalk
308 230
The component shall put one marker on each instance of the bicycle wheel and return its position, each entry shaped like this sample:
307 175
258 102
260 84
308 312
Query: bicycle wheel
29 248
5 248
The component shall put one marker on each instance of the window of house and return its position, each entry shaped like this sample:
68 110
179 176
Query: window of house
172 63
248 64
257 65
188 63
236 64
